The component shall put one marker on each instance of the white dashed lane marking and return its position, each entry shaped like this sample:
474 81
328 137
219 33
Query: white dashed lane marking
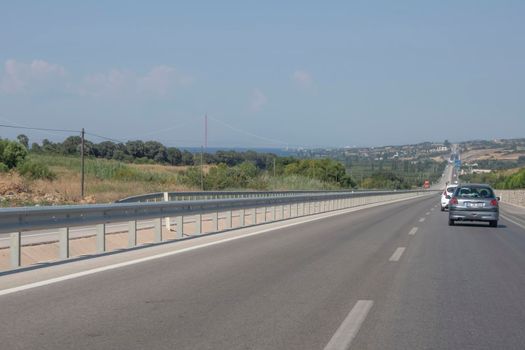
397 254
347 331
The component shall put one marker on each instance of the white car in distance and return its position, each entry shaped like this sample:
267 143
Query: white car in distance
446 195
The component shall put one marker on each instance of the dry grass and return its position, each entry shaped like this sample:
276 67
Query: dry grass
102 183
490 153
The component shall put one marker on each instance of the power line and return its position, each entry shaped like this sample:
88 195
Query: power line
178 126
105 137
267 139
59 130
38 129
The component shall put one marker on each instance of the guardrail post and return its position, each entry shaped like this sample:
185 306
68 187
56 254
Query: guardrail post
264 216
15 248
63 239
273 213
167 220
198 224
180 226
229 219
215 222
158 230
241 217
132 233
282 212
289 209
101 238
254 216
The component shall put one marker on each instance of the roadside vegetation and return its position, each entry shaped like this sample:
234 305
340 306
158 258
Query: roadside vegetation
501 179
49 173
395 173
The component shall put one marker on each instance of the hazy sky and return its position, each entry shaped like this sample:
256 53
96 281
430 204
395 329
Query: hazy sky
268 73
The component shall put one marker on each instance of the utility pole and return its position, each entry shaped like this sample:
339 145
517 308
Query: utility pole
206 131
202 169
82 164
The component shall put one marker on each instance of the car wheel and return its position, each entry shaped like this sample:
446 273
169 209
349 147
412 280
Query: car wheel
450 222
493 223
442 208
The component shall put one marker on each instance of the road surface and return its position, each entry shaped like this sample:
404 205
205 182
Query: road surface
394 276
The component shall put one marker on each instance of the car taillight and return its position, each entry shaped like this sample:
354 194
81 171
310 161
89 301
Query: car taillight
494 202
454 201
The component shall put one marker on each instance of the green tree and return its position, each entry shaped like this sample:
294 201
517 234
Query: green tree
187 158
12 153
24 140
174 156
71 145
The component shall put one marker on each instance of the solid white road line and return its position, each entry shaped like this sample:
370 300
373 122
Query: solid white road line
413 231
347 331
422 219
513 221
180 251
397 254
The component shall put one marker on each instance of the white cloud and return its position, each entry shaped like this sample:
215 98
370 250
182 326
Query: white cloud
258 100
159 81
23 77
113 83
303 78
40 76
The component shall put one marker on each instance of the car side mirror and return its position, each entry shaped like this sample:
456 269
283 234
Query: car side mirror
498 198
447 197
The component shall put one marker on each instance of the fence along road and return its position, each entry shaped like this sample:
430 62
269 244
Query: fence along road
249 211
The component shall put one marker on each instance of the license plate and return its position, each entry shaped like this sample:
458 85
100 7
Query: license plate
474 205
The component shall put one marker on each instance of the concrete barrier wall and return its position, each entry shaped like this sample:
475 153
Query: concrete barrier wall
516 197
192 225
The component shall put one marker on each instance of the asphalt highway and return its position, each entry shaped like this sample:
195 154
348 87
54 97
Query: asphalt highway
394 276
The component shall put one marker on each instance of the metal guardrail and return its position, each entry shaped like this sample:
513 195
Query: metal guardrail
18 220
196 195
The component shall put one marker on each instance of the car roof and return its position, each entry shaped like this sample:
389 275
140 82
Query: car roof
474 185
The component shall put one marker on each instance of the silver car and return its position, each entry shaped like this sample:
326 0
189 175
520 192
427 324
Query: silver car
473 202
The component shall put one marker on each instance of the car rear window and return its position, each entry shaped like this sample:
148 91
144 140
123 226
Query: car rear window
451 189
474 192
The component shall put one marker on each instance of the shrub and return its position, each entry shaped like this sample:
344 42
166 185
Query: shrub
192 177
36 171
12 153
3 168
